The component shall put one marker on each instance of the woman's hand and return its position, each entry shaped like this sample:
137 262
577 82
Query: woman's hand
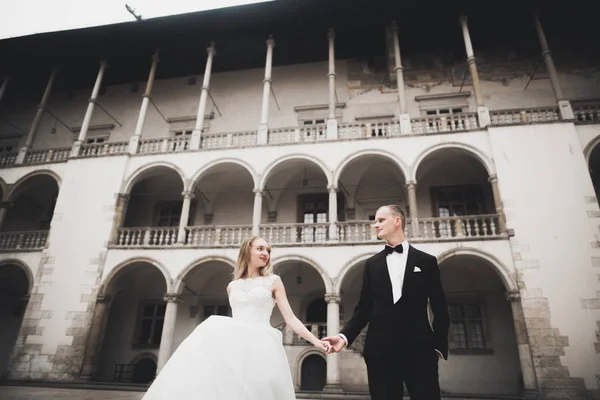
322 345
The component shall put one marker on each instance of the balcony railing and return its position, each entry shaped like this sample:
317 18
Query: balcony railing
479 227
208 236
585 112
295 233
25 240
524 116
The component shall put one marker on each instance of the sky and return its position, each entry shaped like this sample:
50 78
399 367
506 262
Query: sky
27 17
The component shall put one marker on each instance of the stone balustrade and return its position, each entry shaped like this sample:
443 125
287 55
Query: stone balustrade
25 240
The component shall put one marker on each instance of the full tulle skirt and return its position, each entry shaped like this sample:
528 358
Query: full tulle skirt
226 359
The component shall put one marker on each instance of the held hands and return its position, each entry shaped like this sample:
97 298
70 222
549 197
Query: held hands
337 344
322 345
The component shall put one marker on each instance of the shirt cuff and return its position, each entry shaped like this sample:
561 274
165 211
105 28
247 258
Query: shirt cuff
344 338
440 353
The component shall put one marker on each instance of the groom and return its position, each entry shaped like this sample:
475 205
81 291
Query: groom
400 346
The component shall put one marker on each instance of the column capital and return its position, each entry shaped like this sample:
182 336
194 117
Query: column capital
103 298
187 194
211 50
411 184
463 18
333 298
394 27
156 56
331 34
172 298
258 191
103 63
512 295
493 178
270 41
332 188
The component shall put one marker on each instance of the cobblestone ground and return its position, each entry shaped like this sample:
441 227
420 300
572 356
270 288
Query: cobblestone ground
39 393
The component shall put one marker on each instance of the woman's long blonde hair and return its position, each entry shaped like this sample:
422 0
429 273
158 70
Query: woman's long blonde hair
241 267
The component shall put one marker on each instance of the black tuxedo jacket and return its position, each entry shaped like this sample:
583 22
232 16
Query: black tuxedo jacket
405 323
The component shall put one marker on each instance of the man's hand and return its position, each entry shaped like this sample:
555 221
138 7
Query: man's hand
337 344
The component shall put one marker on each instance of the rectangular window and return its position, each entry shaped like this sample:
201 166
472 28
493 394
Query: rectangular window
457 201
150 324
168 213
467 328
313 209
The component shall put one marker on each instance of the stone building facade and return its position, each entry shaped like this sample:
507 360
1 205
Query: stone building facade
123 206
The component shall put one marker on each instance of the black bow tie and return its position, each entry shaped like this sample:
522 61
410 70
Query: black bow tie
389 249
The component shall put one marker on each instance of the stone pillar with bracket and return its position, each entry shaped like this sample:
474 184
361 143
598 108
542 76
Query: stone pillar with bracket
483 114
37 119
134 142
263 128
564 105
119 217
196 140
530 384
168 332
94 342
332 383
185 216
493 179
411 186
333 230
257 211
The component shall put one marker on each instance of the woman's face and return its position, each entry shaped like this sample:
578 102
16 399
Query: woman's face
260 252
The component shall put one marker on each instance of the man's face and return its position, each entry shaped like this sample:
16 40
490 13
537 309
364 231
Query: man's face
386 223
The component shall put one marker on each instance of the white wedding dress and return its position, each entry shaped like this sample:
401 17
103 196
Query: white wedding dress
239 358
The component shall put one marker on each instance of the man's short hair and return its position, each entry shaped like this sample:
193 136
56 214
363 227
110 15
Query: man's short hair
397 211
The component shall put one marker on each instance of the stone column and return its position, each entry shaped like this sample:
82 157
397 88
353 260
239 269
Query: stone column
333 327
257 213
37 119
196 141
185 216
412 204
120 209
168 332
94 342
493 179
525 357
263 128
134 142
3 87
90 110
3 211
333 231
403 116
483 114
332 127
564 106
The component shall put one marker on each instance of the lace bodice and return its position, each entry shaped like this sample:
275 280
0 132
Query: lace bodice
251 299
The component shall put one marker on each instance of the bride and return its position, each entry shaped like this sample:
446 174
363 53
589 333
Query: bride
239 358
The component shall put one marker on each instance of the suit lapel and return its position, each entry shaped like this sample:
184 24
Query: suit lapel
382 269
411 261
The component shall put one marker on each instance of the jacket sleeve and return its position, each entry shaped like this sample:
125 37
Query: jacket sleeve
362 312
439 308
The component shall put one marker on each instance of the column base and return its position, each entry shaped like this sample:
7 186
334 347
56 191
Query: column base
565 110
76 149
332 129
196 139
134 144
483 116
263 134
405 124
22 154
333 388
